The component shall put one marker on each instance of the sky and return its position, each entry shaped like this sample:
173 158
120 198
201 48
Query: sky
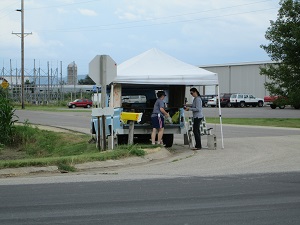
198 32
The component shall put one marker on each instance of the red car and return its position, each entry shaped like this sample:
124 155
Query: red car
86 103
275 101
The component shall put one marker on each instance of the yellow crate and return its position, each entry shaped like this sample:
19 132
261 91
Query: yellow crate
131 116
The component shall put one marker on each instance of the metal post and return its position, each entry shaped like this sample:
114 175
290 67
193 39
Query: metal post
98 135
48 89
103 133
34 72
61 83
10 71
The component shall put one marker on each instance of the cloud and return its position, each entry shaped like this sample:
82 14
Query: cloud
87 12
61 11
67 29
169 44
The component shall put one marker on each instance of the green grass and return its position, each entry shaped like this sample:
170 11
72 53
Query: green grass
47 148
272 122
65 162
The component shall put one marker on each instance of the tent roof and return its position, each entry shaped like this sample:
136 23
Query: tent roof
156 67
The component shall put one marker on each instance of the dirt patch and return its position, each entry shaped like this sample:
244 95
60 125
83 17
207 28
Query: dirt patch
12 154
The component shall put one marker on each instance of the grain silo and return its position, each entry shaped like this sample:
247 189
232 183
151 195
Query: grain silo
72 73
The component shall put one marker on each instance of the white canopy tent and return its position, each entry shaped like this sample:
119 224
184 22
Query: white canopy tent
156 67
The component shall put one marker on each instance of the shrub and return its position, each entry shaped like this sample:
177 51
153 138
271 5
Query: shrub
7 118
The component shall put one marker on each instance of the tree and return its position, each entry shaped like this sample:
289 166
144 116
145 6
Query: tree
86 81
29 86
284 49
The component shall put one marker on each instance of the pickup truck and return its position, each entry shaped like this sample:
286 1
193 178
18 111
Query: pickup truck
274 102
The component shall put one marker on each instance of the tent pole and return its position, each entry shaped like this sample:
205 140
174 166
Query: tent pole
220 116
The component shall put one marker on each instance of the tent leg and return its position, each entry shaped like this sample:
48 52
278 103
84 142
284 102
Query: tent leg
220 116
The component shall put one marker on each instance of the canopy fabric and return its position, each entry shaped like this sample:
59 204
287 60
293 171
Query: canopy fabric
156 67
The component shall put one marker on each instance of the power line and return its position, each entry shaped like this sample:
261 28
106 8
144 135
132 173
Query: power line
69 4
3 9
8 11
43 7
108 26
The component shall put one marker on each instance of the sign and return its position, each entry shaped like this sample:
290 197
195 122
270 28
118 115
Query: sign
107 111
5 84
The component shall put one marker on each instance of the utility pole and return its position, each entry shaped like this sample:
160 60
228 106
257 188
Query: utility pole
22 35
74 80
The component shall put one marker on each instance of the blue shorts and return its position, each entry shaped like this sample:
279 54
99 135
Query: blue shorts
158 122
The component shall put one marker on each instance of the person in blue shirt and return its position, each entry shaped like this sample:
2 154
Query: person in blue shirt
157 118
196 108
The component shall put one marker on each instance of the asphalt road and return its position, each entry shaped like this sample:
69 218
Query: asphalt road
80 121
70 120
231 200
255 179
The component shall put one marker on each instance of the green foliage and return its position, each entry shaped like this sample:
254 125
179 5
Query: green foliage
134 150
7 119
66 167
284 48
3 92
45 148
86 81
43 143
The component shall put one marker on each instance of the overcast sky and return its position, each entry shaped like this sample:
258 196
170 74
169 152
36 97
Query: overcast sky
199 32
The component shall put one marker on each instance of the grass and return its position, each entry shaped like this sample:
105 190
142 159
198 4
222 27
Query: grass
48 148
68 162
272 122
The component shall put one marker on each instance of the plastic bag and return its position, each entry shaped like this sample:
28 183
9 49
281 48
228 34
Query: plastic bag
175 117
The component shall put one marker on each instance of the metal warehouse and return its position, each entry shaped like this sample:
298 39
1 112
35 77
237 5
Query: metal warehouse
239 78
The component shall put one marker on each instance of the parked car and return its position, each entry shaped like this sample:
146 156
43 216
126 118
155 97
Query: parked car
225 100
212 102
205 99
275 101
86 103
280 102
134 99
243 100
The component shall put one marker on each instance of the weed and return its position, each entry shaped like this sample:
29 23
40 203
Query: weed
66 167
7 119
45 148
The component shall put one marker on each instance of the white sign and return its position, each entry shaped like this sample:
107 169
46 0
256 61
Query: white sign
107 111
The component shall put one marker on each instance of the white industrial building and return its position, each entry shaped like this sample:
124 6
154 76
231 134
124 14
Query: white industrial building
239 78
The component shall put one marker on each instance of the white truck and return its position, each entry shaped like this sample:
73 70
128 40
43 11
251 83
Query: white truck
242 100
